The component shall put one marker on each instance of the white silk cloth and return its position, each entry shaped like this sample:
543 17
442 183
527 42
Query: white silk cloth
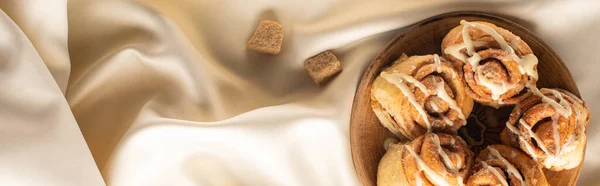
163 92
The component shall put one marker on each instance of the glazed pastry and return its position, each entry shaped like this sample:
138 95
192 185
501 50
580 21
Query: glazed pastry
504 165
431 159
550 127
420 94
497 65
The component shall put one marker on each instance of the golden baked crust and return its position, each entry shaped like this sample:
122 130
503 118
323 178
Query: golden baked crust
396 112
429 159
527 170
541 117
495 63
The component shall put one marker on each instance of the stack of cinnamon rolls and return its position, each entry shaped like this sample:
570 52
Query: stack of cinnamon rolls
425 99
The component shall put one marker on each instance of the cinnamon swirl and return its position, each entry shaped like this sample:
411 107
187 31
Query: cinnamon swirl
420 94
550 127
496 64
504 165
431 159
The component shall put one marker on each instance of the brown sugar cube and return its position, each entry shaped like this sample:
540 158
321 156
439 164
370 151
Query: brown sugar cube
323 67
267 38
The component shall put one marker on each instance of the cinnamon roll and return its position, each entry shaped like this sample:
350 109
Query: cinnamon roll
550 127
420 94
431 159
504 165
496 64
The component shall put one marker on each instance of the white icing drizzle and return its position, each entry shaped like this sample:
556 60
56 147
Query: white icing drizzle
496 90
435 177
534 136
510 168
414 81
528 147
448 121
565 106
555 134
562 107
487 29
455 49
441 93
446 158
526 63
453 142
398 80
551 159
436 108
418 179
438 63
474 60
570 145
495 172
467 40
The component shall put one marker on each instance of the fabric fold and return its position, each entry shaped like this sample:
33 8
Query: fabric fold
40 142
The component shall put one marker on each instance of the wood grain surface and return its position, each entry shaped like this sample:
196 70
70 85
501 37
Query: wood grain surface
367 134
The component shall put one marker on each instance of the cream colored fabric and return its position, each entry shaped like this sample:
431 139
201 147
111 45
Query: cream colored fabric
165 93
40 143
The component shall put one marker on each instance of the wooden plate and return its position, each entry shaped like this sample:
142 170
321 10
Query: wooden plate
367 134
